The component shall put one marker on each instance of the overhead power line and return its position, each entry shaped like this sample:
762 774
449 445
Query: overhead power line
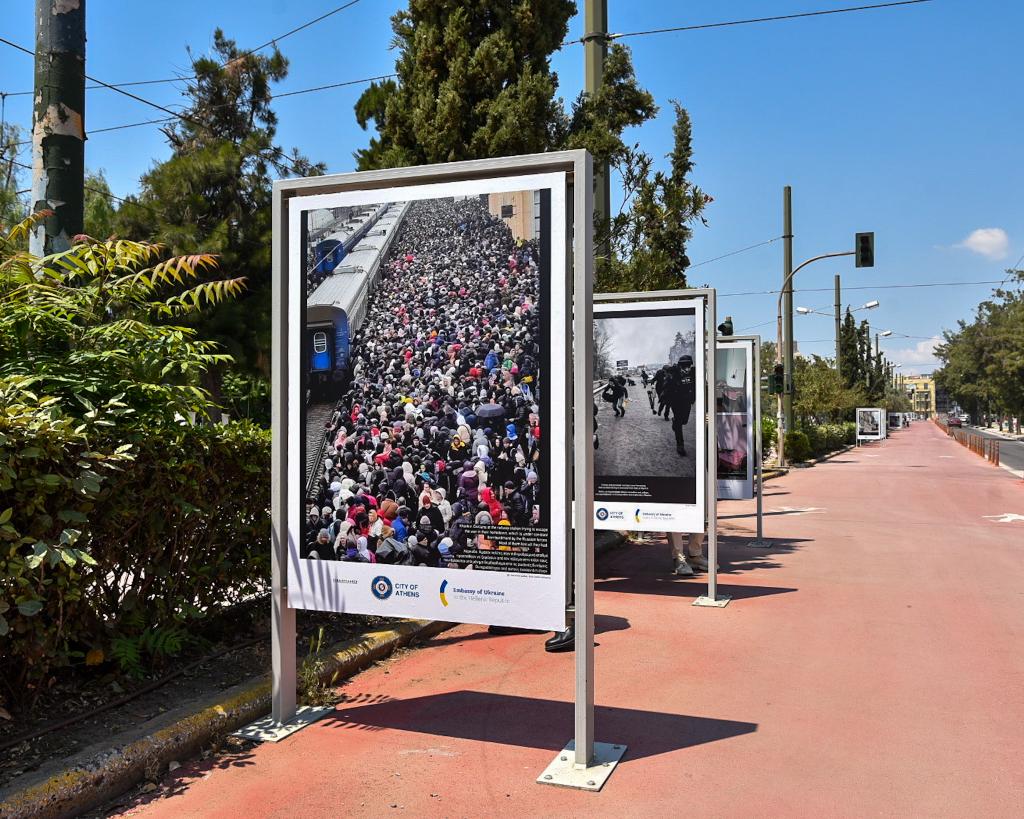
862 287
279 155
94 131
734 252
772 19
272 41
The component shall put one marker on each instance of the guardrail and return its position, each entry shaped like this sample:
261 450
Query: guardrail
987 448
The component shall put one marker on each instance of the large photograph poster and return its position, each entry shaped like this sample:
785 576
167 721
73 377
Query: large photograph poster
870 424
431 327
649 410
734 415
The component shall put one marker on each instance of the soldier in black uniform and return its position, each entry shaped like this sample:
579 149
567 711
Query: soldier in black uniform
680 393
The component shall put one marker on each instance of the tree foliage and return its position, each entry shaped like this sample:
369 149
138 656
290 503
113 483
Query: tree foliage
474 81
215 190
983 359
100 211
100 322
111 506
12 176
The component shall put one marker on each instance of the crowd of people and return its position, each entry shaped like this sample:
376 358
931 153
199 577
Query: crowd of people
438 429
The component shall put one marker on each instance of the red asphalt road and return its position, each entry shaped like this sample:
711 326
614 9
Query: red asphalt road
871 663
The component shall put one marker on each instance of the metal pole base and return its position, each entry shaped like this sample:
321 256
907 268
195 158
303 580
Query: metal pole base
719 602
566 774
268 730
760 544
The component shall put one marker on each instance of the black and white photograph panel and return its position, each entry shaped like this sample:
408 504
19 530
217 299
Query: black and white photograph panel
422 350
868 422
645 384
731 379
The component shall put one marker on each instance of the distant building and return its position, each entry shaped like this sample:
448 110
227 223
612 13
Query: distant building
520 210
926 397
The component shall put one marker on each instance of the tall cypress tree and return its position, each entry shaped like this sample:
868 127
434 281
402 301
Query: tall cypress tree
474 81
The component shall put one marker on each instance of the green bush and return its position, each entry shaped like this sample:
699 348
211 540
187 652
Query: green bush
769 433
120 525
798 447
825 438
110 550
54 470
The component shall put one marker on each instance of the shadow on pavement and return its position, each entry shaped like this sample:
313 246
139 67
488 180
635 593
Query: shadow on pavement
534 723
602 623
690 587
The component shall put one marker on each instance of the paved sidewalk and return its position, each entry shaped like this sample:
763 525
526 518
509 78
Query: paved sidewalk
869 664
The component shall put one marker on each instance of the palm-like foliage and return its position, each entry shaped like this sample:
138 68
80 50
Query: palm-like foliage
99 321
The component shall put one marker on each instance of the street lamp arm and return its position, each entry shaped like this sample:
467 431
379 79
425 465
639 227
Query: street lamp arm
782 291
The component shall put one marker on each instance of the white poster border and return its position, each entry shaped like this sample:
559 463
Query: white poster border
644 516
740 488
525 601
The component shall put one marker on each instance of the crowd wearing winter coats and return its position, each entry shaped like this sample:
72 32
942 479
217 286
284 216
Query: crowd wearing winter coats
438 429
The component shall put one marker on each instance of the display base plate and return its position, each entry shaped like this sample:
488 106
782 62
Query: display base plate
719 602
760 544
564 773
267 730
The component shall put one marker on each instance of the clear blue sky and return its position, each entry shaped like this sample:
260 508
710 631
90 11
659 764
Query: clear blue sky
906 121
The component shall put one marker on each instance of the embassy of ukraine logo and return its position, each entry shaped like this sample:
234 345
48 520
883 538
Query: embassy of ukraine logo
381 587
444 585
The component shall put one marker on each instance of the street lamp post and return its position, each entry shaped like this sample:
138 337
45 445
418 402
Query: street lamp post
806 311
864 251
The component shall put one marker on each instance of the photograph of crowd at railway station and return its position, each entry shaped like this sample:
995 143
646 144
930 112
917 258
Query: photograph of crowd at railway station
646 385
423 400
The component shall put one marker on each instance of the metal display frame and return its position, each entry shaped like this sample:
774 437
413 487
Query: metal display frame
712 599
882 431
584 763
758 541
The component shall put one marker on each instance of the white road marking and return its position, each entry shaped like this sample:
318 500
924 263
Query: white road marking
799 510
947 456
1006 517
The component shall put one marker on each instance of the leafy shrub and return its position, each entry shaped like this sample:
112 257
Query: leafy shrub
769 433
120 525
798 447
54 471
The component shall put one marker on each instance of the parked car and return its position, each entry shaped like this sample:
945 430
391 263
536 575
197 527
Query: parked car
954 421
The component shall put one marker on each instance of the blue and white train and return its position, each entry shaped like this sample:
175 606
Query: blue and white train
337 308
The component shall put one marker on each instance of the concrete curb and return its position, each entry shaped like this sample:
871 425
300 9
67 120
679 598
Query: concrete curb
104 771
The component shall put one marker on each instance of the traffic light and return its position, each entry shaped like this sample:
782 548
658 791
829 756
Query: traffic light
777 380
725 328
865 249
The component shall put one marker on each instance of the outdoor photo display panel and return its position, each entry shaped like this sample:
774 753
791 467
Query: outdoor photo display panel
734 414
428 346
649 410
870 424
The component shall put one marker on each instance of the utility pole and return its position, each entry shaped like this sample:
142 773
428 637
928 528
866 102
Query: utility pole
787 314
838 324
595 49
58 124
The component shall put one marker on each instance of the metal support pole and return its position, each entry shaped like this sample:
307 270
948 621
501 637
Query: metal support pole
58 124
583 763
595 50
787 315
282 616
711 458
583 474
839 368
758 453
